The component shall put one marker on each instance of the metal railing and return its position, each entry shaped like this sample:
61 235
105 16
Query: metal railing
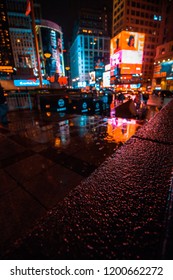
19 101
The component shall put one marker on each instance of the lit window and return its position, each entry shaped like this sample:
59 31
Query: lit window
157 18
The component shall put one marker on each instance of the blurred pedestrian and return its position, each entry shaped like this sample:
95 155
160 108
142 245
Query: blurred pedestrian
137 100
121 97
145 98
3 107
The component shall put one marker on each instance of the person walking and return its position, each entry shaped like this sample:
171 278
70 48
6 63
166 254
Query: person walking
3 107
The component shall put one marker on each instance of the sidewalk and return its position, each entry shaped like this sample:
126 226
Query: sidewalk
43 157
121 211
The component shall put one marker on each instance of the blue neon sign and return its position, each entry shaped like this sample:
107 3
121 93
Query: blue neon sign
29 83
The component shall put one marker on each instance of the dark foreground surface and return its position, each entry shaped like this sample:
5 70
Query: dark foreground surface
121 211
43 156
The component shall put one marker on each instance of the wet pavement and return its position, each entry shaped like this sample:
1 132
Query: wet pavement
44 156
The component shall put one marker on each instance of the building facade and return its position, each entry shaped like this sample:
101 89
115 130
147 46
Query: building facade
163 67
163 64
21 37
19 53
143 17
6 56
90 49
85 53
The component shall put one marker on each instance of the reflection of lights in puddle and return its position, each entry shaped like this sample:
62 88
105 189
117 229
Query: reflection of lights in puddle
57 142
48 114
120 130
71 124
46 127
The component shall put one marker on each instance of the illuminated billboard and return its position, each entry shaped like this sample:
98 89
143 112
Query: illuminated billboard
24 61
106 79
115 62
92 76
52 59
99 63
29 83
164 69
126 53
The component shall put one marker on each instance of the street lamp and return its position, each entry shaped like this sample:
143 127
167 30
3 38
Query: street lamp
67 68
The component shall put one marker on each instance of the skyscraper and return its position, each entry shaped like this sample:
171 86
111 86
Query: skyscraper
143 17
17 44
163 64
90 46
21 36
6 57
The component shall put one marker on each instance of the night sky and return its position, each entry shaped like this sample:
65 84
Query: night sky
64 12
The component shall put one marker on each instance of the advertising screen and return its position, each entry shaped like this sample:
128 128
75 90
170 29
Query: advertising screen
127 53
115 62
129 68
52 51
164 69
99 63
92 76
106 79
24 61
29 83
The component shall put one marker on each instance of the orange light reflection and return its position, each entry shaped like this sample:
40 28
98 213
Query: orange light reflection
120 130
